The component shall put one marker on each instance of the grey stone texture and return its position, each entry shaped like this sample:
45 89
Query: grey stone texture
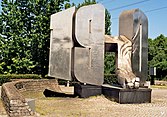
77 44
127 96
133 24
89 55
61 44
131 49
84 91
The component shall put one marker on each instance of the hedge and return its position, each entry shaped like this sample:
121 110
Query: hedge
110 79
8 77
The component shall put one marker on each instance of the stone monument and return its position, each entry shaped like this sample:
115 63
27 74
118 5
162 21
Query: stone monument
131 58
77 46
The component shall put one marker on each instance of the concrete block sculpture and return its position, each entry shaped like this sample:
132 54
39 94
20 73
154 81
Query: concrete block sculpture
132 45
77 44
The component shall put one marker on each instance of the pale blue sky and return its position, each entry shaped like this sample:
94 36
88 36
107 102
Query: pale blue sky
157 19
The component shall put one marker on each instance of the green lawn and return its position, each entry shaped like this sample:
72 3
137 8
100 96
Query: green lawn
159 87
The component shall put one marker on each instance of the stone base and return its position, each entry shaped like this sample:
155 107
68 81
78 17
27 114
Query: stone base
31 103
125 96
84 91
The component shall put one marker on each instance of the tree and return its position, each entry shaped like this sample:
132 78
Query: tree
157 55
107 22
25 33
109 63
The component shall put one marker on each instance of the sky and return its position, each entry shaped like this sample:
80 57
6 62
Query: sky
157 19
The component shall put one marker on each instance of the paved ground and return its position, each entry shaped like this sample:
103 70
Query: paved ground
99 106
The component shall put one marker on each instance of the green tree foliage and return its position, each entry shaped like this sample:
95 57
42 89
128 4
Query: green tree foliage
107 22
109 63
86 2
157 55
24 35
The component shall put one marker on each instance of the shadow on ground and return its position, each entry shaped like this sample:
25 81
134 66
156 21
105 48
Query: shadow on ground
49 93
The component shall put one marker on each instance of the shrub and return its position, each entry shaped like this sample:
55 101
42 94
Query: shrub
110 79
165 78
4 79
8 77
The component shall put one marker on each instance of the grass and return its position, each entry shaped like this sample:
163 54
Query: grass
73 107
1 105
46 106
159 86
79 107
2 110
64 106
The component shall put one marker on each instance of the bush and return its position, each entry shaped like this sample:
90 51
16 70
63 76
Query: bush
62 82
110 79
4 79
165 78
8 77
23 76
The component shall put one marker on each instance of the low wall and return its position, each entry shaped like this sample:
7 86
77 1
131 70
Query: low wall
15 104
37 85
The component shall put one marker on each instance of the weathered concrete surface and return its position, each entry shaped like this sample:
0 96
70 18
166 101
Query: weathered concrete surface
124 72
89 36
77 44
133 24
85 91
37 85
61 44
125 96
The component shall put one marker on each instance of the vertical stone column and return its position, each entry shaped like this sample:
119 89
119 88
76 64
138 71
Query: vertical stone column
77 44
133 24
61 44
89 38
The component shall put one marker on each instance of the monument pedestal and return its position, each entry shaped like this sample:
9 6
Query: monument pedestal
125 96
84 91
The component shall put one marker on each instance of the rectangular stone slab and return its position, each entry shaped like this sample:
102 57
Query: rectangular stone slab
127 96
89 35
131 22
84 91
61 44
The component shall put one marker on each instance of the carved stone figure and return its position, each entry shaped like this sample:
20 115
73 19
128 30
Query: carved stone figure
132 53
133 24
77 46
124 72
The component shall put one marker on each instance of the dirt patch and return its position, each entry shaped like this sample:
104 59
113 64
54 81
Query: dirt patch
2 110
98 106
